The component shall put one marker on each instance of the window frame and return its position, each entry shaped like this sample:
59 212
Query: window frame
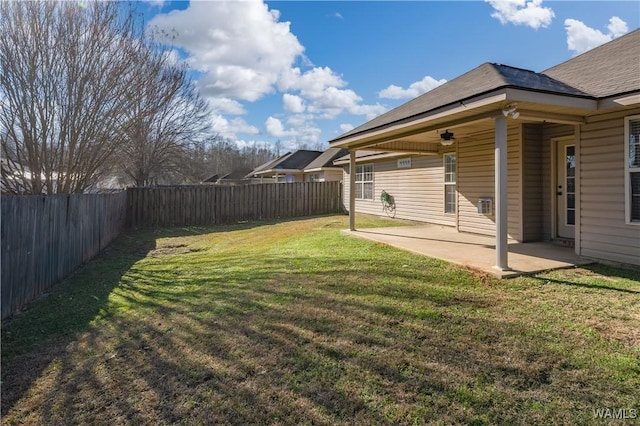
629 170
448 184
361 182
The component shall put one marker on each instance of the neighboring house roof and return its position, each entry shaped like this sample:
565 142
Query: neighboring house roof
212 179
326 159
235 175
269 164
610 69
290 162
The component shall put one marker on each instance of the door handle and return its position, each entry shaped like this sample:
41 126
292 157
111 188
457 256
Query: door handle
559 193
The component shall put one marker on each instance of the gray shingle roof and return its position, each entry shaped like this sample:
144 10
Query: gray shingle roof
607 70
483 79
269 164
297 160
611 69
326 158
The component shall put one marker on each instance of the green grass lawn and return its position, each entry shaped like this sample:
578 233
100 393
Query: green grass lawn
294 323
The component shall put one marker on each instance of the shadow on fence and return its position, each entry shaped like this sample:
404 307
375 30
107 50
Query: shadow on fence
45 238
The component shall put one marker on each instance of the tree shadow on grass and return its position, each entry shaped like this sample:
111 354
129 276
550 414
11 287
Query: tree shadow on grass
40 332
598 277
237 340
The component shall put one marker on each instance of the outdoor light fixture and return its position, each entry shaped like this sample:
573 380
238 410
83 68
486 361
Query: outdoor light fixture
510 110
447 138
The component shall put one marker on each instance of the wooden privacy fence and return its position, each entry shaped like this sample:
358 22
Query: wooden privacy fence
45 238
209 205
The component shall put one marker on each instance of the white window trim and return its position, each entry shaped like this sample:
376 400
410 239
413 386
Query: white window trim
454 184
627 172
362 182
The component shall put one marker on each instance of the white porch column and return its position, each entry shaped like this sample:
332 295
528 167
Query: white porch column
352 189
502 249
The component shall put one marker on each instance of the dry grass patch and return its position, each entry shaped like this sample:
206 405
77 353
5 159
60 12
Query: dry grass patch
293 323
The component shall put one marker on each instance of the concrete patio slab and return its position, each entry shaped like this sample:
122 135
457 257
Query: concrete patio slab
471 250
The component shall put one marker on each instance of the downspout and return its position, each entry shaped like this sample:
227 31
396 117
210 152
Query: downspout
502 262
352 189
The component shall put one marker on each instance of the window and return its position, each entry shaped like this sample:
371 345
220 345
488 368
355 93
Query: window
450 177
316 177
364 182
632 168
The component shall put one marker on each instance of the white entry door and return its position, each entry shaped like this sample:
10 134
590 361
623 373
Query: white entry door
566 188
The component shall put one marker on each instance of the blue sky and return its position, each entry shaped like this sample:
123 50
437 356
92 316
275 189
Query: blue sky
303 72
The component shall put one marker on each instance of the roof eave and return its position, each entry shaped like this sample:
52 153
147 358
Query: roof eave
620 100
278 171
454 111
321 169
377 156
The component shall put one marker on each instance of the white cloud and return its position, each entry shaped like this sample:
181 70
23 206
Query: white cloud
345 127
302 133
617 27
338 15
522 12
415 89
242 52
581 38
240 46
230 128
227 106
325 94
292 103
300 120
274 128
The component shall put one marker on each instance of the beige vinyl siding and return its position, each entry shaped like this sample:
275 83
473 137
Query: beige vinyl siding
476 179
603 232
550 131
326 175
332 175
532 191
418 192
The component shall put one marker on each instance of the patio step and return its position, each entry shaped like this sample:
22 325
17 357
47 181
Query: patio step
565 242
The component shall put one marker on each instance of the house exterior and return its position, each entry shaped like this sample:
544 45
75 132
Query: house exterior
301 166
287 168
322 168
515 154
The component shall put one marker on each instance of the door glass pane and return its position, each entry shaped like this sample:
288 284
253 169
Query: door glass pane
570 184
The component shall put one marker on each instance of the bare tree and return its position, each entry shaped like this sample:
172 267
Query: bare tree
64 73
167 120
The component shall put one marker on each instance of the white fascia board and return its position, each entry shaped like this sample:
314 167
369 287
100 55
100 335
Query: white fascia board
321 169
278 171
619 101
521 95
373 157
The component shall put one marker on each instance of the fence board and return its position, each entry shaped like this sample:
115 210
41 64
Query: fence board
209 205
45 238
